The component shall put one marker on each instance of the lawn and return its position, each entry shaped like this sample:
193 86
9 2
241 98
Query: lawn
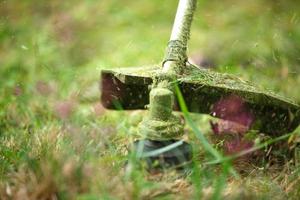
58 142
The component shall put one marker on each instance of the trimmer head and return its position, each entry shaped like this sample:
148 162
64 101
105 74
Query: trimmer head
128 89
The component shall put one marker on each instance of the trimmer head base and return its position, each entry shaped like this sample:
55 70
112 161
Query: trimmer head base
178 157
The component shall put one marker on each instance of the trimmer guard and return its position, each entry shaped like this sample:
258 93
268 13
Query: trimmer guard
128 89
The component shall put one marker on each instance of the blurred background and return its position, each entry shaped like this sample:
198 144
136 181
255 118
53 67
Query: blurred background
69 42
52 126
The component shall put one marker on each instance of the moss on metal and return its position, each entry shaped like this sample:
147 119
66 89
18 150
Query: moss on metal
206 78
161 103
202 88
161 124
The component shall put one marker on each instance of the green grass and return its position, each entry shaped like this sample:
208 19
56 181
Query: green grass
57 141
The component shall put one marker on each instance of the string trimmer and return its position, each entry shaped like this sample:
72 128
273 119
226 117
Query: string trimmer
153 87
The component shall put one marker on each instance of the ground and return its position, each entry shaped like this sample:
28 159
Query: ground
58 142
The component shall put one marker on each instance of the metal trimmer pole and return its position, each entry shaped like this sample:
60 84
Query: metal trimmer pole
176 56
173 63
161 127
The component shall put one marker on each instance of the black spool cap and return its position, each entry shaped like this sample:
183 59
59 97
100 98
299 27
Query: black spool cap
178 157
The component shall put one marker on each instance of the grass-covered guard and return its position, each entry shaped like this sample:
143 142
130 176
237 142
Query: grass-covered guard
202 88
